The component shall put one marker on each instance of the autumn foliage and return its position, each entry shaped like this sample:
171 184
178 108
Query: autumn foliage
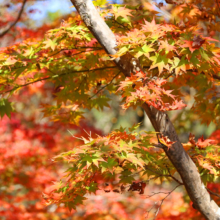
53 160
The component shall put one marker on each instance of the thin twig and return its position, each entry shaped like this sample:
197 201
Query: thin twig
215 194
15 22
78 48
174 178
161 175
156 213
156 193
16 68
105 85
216 77
150 210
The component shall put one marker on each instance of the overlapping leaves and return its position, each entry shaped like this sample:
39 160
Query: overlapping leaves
206 155
139 89
80 70
124 157
118 156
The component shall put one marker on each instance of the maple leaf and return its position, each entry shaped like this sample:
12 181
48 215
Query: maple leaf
179 65
108 165
137 186
210 39
177 105
168 93
202 143
151 26
165 45
5 108
146 50
10 61
166 141
123 146
121 11
134 36
29 52
189 45
205 163
169 28
192 139
121 52
135 160
160 62
194 44
50 44
197 42
127 83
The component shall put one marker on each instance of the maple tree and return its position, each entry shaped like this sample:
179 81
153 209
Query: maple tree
130 52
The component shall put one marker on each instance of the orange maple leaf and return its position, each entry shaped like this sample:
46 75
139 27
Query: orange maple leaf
205 163
165 45
151 26
202 143
166 141
122 11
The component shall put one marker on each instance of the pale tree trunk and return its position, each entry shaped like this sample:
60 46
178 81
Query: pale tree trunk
182 162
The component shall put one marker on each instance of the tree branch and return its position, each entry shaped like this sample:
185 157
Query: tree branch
15 22
104 86
60 75
160 175
160 120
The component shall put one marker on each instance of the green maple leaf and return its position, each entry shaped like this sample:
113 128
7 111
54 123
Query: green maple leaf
100 102
178 66
92 188
96 158
160 62
126 177
135 160
5 108
29 52
109 164
146 50
124 146
89 159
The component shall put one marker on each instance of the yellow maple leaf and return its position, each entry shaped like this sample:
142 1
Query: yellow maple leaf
50 44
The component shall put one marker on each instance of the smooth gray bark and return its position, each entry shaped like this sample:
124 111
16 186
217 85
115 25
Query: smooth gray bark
182 162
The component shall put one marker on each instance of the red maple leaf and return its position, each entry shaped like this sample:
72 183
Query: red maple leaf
202 143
